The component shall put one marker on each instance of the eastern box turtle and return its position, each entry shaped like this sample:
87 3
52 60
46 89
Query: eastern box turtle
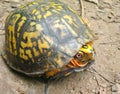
47 39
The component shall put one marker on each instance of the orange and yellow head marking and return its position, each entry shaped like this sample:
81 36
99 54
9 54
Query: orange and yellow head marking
87 48
85 54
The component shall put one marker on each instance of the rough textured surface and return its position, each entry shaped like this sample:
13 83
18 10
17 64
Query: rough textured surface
104 19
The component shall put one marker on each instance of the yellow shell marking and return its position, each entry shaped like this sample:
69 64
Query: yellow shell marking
55 11
48 38
37 12
36 53
34 11
88 33
57 6
28 52
42 45
29 43
32 23
34 44
35 3
11 29
60 7
70 20
39 27
81 20
22 54
48 13
52 72
72 10
67 74
30 35
52 3
61 26
59 61
39 17
20 24
72 31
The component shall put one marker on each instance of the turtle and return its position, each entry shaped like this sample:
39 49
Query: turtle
48 39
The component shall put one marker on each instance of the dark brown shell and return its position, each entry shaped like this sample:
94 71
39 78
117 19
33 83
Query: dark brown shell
43 35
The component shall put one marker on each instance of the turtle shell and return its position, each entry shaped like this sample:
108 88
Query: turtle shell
43 35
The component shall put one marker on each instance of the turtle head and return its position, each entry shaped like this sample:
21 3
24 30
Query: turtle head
85 54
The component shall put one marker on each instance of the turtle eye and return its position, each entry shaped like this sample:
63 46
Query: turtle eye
78 55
